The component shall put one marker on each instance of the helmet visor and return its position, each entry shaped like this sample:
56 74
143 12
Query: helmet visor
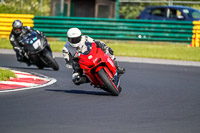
17 30
74 40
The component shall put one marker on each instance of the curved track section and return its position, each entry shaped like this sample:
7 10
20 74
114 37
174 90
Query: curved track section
25 81
155 99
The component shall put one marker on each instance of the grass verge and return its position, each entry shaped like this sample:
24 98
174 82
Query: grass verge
6 74
173 51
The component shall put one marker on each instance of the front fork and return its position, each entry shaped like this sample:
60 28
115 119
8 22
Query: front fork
49 48
43 54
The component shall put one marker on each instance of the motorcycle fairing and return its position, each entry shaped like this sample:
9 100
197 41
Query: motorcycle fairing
94 60
33 43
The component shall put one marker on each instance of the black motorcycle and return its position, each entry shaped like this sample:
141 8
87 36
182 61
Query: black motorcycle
37 50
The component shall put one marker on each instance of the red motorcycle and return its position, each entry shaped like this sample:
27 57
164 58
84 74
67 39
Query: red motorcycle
100 69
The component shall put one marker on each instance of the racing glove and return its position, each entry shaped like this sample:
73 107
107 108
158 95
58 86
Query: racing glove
19 51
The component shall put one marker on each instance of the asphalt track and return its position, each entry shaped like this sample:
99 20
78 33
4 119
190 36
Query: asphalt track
156 98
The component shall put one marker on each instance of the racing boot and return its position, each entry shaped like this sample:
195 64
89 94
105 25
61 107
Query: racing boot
77 79
28 63
22 58
120 69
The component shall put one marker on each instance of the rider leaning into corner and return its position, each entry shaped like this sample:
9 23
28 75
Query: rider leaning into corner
76 43
16 35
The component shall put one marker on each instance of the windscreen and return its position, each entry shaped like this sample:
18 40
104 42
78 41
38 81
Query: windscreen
194 14
30 38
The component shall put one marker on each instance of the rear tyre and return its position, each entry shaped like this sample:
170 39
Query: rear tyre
51 61
110 86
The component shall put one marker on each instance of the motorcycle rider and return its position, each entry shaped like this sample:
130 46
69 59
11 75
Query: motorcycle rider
16 35
77 43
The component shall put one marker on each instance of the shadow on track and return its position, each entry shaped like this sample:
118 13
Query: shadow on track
82 92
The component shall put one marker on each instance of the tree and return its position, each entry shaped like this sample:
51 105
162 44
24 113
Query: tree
25 7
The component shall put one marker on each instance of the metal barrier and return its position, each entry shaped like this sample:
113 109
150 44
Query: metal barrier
103 28
6 21
196 34
117 29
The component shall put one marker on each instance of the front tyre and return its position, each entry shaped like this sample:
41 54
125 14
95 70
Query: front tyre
51 61
110 86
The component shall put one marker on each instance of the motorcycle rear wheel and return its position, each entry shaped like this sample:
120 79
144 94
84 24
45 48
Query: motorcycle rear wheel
110 86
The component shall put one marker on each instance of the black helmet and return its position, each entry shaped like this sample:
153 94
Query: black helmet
17 26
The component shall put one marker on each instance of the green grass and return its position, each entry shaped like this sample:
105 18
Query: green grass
6 74
159 50
5 44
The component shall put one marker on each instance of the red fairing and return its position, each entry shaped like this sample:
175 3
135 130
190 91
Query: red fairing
95 60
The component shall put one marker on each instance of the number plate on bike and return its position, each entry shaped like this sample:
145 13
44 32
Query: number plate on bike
36 44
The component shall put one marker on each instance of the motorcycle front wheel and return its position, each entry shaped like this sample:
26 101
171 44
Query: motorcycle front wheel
110 86
51 61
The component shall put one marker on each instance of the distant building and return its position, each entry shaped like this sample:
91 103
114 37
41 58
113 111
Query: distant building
84 8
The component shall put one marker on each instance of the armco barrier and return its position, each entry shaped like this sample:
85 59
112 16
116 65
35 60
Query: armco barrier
118 29
196 34
102 28
6 21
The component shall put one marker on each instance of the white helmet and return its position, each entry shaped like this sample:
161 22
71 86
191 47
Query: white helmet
74 36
